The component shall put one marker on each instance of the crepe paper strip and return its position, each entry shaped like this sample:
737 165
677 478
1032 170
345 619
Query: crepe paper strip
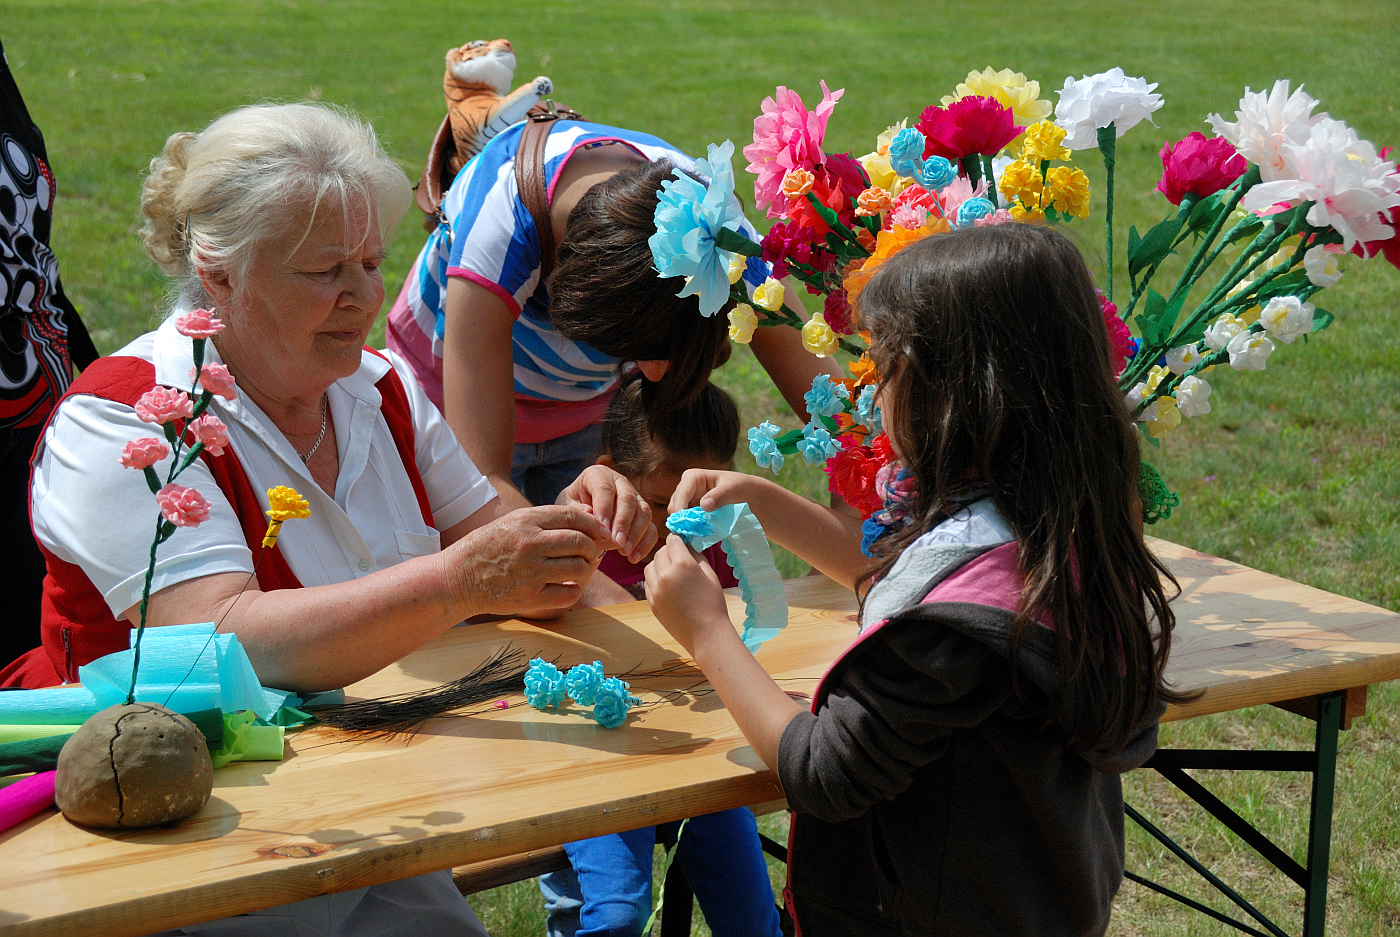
544 685
583 682
11 734
739 532
23 799
31 755
51 706
290 717
186 668
611 703
245 740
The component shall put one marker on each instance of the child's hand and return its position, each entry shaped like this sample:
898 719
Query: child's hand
685 594
709 489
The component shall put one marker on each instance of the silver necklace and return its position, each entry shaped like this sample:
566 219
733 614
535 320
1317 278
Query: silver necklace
306 459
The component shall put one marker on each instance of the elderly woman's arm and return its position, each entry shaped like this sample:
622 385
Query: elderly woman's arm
322 637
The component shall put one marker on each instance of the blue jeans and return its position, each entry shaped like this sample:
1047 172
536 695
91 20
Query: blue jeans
608 890
543 469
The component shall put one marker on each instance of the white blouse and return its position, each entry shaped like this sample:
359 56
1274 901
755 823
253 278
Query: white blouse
89 510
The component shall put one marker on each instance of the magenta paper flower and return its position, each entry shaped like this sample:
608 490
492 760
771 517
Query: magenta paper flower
198 324
163 404
787 241
786 136
211 431
181 506
1198 165
215 379
1121 346
141 454
838 312
971 125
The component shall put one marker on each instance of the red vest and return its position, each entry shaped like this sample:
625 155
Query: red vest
76 625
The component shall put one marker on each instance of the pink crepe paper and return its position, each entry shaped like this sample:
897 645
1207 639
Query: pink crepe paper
23 799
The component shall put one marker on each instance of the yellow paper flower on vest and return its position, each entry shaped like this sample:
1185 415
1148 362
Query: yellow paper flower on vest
284 504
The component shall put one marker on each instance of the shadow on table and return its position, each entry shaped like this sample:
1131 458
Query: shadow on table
215 819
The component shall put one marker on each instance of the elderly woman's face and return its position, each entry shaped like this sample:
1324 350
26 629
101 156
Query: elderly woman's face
306 308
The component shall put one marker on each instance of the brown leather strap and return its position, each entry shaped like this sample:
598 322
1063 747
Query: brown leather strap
529 174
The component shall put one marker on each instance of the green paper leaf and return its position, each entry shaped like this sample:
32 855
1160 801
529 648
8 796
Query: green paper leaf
1204 214
1286 285
1134 239
831 425
1248 231
1155 245
736 243
787 442
1157 318
1322 319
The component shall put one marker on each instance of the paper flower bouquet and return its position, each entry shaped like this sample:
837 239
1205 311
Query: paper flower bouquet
1262 213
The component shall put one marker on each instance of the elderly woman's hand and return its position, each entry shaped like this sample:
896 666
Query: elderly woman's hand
610 497
533 559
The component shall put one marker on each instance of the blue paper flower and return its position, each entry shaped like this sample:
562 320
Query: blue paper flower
692 522
688 216
764 449
907 152
937 173
824 399
871 530
972 209
583 682
866 412
544 685
816 444
613 701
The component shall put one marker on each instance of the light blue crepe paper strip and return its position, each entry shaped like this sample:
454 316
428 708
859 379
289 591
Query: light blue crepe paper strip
60 706
184 669
612 702
743 540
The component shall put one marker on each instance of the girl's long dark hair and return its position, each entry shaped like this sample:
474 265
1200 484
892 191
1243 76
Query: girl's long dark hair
606 291
994 362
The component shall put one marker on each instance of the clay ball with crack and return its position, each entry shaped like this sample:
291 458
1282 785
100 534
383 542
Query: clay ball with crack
133 766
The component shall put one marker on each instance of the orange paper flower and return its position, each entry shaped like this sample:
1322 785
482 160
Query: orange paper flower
887 245
797 183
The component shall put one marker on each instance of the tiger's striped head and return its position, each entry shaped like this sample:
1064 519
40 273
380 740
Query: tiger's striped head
489 64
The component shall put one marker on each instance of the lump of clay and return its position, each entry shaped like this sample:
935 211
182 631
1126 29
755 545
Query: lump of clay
133 766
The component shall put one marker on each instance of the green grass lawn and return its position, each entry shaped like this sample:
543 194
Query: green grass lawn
1295 471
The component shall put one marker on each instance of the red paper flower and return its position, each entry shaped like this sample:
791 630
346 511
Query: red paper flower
183 507
1389 248
1198 165
852 472
1120 340
838 313
787 241
973 124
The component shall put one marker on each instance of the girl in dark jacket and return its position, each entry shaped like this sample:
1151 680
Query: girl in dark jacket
958 773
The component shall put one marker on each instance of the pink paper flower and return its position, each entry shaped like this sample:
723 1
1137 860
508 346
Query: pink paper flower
163 404
787 241
838 313
211 431
215 379
1198 165
198 324
1121 346
1000 216
183 507
1388 248
911 208
141 454
970 125
786 136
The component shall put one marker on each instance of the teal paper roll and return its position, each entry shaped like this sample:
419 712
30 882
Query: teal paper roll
53 706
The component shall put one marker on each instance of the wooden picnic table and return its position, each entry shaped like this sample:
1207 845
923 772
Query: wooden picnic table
343 812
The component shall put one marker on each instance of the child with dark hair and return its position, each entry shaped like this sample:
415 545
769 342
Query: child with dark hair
609 885
958 772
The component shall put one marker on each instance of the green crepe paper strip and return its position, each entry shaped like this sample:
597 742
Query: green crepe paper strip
31 755
245 740
739 532
26 733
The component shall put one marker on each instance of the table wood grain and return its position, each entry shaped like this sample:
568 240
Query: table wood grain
341 813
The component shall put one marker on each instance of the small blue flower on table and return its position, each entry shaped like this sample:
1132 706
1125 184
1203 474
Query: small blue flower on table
612 703
583 682
544 685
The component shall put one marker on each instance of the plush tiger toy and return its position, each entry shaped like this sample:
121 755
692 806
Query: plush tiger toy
480 103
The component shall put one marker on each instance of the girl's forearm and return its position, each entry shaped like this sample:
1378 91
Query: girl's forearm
822 536
759 707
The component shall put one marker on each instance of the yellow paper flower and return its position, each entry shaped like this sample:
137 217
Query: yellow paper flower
1044 140
883 141
877 167
1158 373
1069 189
1026 215
737 263
1161 417
284 504
742 321
1010 88
769 296
818 338
1021 180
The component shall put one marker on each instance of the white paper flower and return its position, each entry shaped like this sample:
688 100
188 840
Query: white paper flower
1286 318
1193 396
1180 360
1249 351
1134 396
1222 330
1096 101
1349 185
1322 266
1266 121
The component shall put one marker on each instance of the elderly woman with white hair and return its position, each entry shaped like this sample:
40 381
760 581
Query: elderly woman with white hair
274 219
